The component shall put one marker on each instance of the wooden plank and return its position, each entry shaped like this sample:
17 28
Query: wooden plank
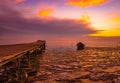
11 52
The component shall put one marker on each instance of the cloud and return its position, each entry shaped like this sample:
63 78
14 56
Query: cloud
19 1
45 12
14 27
86 3
85 18
45 9
108 33
53 27
12 21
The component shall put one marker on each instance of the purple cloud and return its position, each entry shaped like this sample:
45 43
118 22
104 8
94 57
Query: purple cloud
13 23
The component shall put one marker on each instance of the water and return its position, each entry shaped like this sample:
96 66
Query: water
92 65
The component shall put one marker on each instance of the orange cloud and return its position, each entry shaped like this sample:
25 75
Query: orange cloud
19 1
85 3
45 12
85 18
108 33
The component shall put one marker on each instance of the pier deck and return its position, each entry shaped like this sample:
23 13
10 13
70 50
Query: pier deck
22 58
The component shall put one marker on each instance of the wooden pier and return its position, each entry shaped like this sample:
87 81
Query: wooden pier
20 61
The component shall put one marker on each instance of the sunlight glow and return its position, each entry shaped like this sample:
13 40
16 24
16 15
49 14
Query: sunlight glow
116 19
108 33
45 12
85 18
85 3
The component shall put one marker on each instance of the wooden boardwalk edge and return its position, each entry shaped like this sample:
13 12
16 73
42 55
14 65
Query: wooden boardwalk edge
15 56
21 65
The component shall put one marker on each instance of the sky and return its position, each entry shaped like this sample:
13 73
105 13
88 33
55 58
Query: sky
60 22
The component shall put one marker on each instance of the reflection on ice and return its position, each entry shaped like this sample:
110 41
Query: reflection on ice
92 65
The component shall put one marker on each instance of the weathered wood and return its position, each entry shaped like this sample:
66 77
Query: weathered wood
20 61
11 52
